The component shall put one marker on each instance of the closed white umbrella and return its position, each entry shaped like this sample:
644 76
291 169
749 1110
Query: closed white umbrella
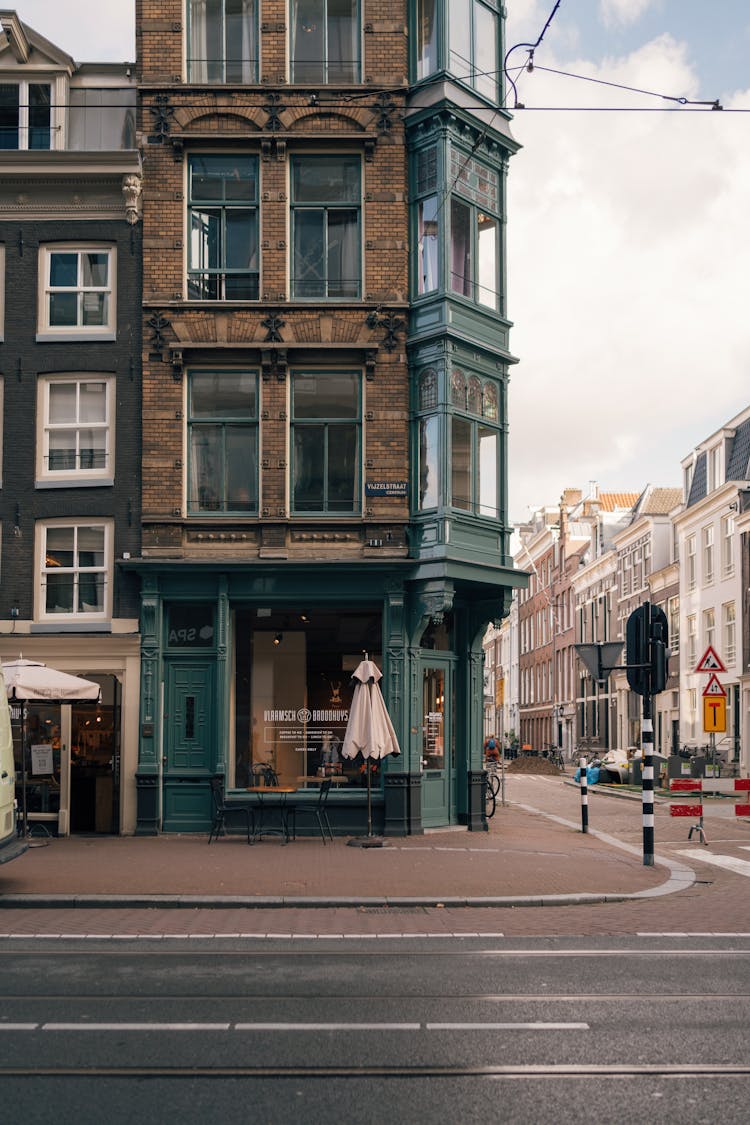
28 681
369 731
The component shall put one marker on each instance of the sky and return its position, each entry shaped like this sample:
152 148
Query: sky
628 230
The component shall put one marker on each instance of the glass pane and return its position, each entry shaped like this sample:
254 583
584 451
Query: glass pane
91 546
433 728
62 450
342 469
343 254
308 254
59 547
308 45
474 395
241 459
460 264
59 593
62 402
343 35
459 15
323 179
428 462
93 402
90 593
428 389
95 308
63 309
95 270
39 116
487 272
333 395
488 496
461 464
241 241
63 269
428 244
231 179
205 239
308 468
241 287
92 449
426 38
458 389
485 51
206 44
241 49
9 99
222 395
206 468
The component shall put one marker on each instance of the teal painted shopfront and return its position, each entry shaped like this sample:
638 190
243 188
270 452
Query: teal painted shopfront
247 668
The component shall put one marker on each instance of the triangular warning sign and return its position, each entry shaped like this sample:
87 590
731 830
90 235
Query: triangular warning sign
714 687
710 661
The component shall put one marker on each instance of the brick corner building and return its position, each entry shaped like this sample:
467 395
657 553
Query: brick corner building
325 366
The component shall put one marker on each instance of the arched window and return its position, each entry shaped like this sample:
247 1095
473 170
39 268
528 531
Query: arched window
428 389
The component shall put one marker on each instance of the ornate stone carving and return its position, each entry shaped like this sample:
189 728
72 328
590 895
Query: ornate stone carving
131 190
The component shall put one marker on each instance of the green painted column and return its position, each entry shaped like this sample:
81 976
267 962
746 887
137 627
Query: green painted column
148 773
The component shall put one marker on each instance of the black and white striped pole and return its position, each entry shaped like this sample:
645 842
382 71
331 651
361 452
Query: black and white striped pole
647 781
647 668
584 795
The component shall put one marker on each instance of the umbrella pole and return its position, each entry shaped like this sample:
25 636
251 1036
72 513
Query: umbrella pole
23 771
369 799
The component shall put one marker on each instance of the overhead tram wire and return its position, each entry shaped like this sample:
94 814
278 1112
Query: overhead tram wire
531 48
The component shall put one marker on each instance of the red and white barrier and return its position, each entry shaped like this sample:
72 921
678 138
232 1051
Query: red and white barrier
708 785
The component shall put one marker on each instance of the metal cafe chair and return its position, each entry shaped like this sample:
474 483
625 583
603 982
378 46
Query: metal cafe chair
221 810
316 810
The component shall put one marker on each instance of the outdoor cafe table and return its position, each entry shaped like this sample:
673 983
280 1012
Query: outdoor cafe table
264 791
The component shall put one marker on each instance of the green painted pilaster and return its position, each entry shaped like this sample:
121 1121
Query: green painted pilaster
148 797
223 686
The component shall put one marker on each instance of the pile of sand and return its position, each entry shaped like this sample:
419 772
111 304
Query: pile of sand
532 764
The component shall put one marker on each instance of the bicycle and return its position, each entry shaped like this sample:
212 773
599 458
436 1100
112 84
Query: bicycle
491 787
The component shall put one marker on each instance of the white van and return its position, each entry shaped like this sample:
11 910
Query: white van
11 845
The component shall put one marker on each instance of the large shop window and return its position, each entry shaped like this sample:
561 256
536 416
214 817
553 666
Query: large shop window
223 228
222 41
77 436
223 442
75 572
326 202
293 693
77 296
25 109
325 41
326 421
473 40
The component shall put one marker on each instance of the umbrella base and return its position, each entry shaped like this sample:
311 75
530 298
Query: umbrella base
366 842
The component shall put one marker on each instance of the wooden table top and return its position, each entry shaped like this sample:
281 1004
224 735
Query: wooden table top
270 788
336 778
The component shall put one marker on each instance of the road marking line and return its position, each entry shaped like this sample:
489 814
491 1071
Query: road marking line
691 933
369 936
533 1026
327 1027
136 1027
731 863
18 1026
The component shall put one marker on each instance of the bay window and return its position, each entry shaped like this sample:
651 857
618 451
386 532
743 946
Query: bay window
473 45
475 231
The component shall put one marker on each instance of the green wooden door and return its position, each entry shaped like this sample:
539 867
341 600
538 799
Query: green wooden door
189 756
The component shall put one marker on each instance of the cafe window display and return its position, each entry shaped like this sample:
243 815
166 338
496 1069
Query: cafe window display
293 692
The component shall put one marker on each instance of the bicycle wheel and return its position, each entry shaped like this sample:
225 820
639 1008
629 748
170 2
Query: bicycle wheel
490 800
493 779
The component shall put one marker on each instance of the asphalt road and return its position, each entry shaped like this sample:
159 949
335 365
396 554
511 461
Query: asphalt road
470 1030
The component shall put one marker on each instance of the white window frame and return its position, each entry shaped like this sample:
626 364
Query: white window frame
690 563
707 538
729 632
23 110
709 627
41 613
65 477
727 546
692 642
58 332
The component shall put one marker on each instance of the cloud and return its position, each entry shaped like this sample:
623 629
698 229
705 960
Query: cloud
89 30
626 277
623 13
